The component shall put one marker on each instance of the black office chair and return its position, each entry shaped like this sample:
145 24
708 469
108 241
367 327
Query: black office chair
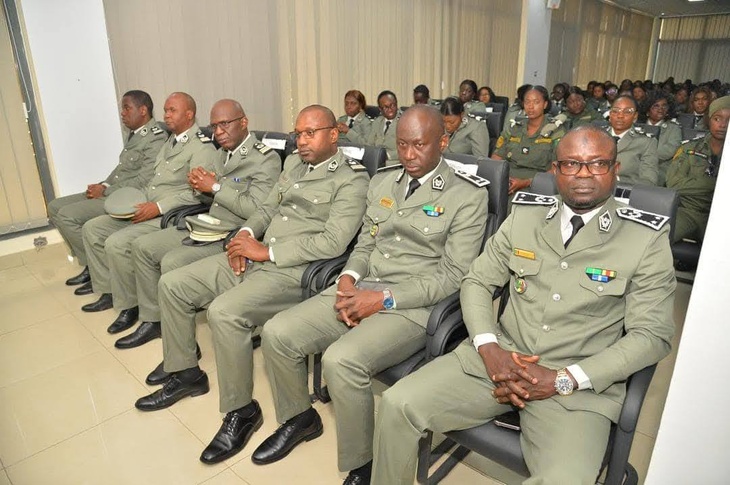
652 130
543 183
277 139
371 157
494 121
600 122
503 100
496 107
686 120
372 111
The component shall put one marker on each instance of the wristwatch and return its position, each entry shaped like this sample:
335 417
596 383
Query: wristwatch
563 383
388 301
215 187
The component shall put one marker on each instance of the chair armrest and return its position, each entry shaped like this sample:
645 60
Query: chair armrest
450 332
174 216
636 390
318 274
441 310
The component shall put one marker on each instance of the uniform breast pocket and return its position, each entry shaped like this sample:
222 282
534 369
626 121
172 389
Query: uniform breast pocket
176 165
377 214
316 197
524 281
429 227
133 157
598 297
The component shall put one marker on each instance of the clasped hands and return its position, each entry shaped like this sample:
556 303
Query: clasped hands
354 304
95 191
201 180
517 377
243 248
516 184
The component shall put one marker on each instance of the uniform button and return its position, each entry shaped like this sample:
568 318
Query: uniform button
376 219
377 279
215 204
158 174
167 163
315 201
398 238
522 271
294 206
116 176
296 186
125 149
272 240
546 328
563 265
224 178
400 213
600 288
386 256
556 297
285 218
153 187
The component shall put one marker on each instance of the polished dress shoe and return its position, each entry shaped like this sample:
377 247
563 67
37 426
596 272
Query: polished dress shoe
302 427
126 319
104 302
85 289
173 390
144 333
80 279
159 376
233 434
353 479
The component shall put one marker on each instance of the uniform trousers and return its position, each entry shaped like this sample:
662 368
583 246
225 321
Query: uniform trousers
237 305
154 254
559 446
352 357
108 243
68 214
689 224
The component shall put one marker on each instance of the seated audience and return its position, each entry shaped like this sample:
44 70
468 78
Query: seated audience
381 131
637 151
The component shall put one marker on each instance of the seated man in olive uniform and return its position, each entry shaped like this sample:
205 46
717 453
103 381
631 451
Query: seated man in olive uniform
693 173
423 227
135 169
466 134
591 301
381 132
108 240
637 151
313 212
243 174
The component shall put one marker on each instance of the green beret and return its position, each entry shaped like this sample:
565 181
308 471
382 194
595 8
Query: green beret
121 203
718 104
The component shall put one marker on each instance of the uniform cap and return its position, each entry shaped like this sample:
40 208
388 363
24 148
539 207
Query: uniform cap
718 104
121 203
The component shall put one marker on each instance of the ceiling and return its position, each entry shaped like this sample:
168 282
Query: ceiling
672 8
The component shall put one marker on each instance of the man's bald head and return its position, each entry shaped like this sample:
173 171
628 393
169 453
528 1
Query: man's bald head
179 112
316 134
188 100
589 134
229 123
420 139
321 112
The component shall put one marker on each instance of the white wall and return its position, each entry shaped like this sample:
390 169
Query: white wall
534 42
694 436
70 55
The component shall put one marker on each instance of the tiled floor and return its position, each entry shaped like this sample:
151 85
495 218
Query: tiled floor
67 397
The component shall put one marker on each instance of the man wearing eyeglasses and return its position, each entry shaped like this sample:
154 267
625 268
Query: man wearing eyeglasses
591 288
381 132
637 151
242 174
312 213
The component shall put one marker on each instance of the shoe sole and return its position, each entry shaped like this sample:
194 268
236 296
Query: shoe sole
310 437
192 394
235 451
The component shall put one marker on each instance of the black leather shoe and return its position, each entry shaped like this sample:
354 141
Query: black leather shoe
144 333
289 435
233 435
126 319
104 302
172 392
354 479
81 278
85 289
159 376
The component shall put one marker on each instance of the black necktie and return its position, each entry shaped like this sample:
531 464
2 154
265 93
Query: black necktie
352 122
131 134
174 141
577 222
412 186
387 125
617 138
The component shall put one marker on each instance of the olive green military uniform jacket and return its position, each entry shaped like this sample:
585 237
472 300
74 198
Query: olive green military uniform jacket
611 325
169 186
471 137
137 160
374 136
528 155
246 179
692 175
361 125
311 216
586 117
670 138
637 152
421 247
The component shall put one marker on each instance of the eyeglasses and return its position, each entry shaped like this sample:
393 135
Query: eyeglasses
625 111
573 167
308 134
224 125
660 107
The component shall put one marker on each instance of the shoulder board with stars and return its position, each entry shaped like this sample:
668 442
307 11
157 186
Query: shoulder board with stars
472 179
699 136
526 198
156 130
203 138
640 131
389 167
355 165
648 219
264 149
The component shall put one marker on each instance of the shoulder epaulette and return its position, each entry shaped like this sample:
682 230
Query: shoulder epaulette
389 167
472 179
640 131
355 165
697 137
156 130
526 198
264 149
649 219
203 138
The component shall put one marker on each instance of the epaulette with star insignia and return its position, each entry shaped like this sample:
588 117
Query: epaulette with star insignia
527 198
156 130
389 167
475 180
355 165
203 137
649 219
264 149
639 130
699 136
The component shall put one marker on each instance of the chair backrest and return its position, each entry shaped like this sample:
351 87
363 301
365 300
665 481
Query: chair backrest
600 122
543 183
659 200
654 131
282 143
498 107
503 100
686 120
371 157
692 133
497 172
372 111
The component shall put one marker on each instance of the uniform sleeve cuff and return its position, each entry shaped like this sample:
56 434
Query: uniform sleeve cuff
105 184
581 377
484 338
348 272
159 207
271 255
248 230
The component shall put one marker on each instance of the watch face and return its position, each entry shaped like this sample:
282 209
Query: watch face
563 385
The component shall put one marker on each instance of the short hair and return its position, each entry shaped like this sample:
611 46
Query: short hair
140 98
452 106
595 129
472 84
328 114
423 89
354 93
630 98
575 90
387 93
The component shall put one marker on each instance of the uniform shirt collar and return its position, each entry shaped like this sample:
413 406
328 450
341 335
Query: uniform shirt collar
566 228
231 152
315 167
425 178
180 136
613 133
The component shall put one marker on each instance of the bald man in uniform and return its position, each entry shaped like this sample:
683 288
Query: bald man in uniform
591 302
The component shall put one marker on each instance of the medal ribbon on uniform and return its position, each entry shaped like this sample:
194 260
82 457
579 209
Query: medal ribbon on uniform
433 210
599 274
